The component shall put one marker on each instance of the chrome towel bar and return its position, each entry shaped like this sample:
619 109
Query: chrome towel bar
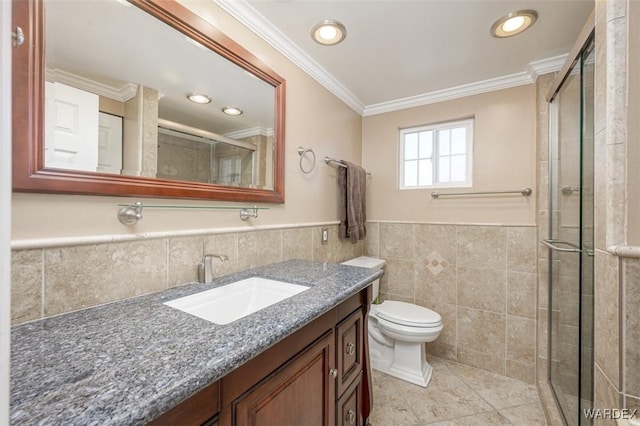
524 192
339 163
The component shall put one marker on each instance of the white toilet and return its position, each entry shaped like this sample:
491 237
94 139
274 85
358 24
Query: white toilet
398 332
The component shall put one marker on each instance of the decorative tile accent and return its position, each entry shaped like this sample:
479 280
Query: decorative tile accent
435 263
432 238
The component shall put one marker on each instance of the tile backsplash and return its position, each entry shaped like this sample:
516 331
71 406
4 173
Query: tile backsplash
51 281
480 279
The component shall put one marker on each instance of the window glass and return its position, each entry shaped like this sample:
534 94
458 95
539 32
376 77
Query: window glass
411 146
436 155
411 173
426 144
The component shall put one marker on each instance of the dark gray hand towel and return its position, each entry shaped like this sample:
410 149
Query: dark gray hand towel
352 204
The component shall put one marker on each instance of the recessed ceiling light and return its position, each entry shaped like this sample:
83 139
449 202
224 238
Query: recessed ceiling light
513 23
328 32
231 110
199 98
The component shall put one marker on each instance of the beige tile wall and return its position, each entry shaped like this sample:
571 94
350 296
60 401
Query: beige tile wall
480 279
52 281
617 280
631 321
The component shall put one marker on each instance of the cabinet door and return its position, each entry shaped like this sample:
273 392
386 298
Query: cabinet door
349 344
349 411
301 392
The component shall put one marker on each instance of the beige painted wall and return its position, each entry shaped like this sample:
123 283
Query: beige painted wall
503 159
315 118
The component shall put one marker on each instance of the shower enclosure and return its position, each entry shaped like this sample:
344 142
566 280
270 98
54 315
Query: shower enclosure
571 239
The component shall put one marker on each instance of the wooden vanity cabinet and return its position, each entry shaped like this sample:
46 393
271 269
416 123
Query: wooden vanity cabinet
299 393
316 376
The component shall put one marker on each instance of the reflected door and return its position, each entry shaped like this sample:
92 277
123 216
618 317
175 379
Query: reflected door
71 128
571 242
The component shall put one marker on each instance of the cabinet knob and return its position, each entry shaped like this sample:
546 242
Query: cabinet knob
333 373
350 349
350 417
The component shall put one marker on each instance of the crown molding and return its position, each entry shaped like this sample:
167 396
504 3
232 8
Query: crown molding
534 69
256 22
120 94
545 66
470 89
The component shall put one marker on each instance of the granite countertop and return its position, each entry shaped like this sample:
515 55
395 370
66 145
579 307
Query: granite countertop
127 362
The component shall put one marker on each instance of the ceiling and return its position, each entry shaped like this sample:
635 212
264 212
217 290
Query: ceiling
399 54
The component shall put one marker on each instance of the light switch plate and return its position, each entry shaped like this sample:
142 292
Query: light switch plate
325 235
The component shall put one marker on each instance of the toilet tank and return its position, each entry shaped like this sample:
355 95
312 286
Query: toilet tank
368 262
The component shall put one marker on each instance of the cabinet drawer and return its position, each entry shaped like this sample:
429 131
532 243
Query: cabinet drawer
349 350
349 409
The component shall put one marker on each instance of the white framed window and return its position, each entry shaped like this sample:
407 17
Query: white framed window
436 156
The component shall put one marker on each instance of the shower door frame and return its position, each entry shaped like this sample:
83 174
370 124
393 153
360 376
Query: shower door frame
583 47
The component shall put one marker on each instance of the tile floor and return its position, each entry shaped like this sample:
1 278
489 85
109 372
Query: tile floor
457 396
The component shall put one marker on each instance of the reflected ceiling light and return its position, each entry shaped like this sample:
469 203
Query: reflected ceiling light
231 110
124 3
513 23
328 32
199 98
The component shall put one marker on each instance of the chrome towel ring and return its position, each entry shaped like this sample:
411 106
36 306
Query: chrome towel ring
301 152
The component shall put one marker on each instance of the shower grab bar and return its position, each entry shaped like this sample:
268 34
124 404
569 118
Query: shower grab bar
552 245
524 192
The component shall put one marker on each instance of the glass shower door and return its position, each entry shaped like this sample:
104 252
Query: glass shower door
571 242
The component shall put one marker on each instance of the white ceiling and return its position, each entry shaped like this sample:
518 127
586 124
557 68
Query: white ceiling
405 53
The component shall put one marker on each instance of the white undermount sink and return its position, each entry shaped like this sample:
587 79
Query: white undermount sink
230 302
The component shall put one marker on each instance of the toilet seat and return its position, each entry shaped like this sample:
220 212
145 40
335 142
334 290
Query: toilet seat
408 315
409 333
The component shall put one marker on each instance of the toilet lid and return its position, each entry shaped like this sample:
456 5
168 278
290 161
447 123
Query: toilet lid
408 314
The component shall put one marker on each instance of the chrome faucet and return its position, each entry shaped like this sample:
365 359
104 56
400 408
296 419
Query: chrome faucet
205 268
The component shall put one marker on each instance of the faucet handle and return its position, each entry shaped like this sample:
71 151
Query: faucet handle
207 266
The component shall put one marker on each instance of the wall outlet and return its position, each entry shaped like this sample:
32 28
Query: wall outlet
325 236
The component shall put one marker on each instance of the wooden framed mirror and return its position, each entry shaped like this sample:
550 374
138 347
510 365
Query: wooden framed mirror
135 62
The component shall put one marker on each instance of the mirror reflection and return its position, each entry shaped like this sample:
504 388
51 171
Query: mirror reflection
117 92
